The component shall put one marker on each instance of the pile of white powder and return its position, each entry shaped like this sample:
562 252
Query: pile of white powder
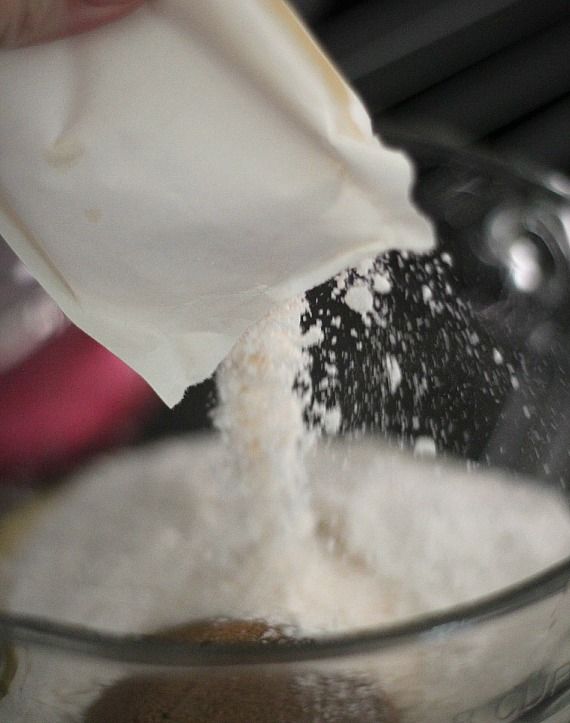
153 538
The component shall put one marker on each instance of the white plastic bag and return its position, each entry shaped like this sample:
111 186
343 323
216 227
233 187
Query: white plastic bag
170 177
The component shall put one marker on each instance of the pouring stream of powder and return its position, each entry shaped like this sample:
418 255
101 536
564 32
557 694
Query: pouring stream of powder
260 415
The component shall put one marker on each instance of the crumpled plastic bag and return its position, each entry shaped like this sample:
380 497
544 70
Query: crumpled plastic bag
169 178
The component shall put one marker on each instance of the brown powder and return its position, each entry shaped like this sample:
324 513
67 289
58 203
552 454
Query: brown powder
264 695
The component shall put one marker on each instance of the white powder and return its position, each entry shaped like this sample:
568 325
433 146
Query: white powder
332 420
381 283
394 372
261 418
526 411
427 293
165 540
359 299
425 446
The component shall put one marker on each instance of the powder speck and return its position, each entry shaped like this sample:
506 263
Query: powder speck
427 293
425 447
382 283
332 420
313 336
394 372
359 299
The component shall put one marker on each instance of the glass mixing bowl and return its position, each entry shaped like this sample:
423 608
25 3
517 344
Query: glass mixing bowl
502 658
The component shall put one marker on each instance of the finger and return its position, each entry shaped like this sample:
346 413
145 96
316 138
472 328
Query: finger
26 22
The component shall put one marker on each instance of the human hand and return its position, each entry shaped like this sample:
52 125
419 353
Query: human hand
27 22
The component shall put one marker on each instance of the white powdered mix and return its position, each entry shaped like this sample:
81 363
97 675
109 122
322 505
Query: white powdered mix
359 299
261 420
156 537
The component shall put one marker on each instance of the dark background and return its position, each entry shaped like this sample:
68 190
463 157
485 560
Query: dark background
495 72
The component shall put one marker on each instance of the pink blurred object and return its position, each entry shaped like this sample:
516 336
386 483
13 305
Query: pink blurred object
62 395
69 398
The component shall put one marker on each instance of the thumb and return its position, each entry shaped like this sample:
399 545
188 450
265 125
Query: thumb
26 22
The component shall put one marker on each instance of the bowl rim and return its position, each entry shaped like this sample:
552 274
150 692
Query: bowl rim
156 651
